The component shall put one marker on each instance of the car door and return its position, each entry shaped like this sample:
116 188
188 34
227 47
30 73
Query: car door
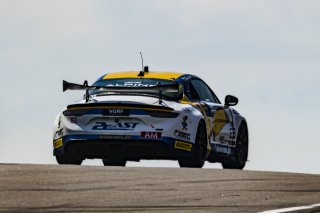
219 120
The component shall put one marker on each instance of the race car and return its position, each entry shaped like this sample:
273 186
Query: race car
134 115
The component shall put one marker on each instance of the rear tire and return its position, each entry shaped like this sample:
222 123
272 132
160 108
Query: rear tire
69 159
107 162
241 155
199 149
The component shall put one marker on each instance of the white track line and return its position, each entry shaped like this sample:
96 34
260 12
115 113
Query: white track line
291 209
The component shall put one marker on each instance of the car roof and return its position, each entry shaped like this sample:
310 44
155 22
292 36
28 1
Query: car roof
150 74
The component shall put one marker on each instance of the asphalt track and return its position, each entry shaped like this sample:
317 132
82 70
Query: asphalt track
54 188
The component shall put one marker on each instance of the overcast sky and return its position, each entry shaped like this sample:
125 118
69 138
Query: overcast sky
267 53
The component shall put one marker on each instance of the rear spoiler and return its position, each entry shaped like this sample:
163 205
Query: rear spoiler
174 89
119 105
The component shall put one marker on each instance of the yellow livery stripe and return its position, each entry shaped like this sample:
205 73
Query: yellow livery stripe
134 74
220 119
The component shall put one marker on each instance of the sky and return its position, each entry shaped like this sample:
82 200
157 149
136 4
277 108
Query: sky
267 53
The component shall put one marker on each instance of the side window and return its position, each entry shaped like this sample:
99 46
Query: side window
193 93
202 90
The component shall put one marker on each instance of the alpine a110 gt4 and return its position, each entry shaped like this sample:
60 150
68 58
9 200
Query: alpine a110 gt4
129 116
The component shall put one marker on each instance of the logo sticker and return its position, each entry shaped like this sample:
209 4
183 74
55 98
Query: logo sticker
184 123
57 143
183 135
59 123
117 126
151 135
223 149
183 145
59 132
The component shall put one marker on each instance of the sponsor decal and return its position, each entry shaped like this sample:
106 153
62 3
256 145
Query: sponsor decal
183 135
184 123
117 126
115 137
57 143
183 145
116 112
223 149
151 135
131 84
59 133
232 133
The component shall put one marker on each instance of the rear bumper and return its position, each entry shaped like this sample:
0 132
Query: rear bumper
135 148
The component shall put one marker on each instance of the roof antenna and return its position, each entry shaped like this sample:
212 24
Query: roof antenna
141 60
144 69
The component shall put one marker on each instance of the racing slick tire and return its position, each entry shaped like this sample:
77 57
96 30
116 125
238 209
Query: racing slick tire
199 151
241 155
107 162
68 159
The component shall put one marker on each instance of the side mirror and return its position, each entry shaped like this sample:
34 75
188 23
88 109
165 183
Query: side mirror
230 100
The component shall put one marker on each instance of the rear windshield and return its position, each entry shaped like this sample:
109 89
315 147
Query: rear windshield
133 83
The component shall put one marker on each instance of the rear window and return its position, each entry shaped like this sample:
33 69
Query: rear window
132 82
135 83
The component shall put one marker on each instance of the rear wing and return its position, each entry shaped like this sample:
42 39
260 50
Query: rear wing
169 91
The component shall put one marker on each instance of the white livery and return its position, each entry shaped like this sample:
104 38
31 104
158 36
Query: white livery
128 116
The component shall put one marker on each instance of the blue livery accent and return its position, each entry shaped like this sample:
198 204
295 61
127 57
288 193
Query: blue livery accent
99 79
